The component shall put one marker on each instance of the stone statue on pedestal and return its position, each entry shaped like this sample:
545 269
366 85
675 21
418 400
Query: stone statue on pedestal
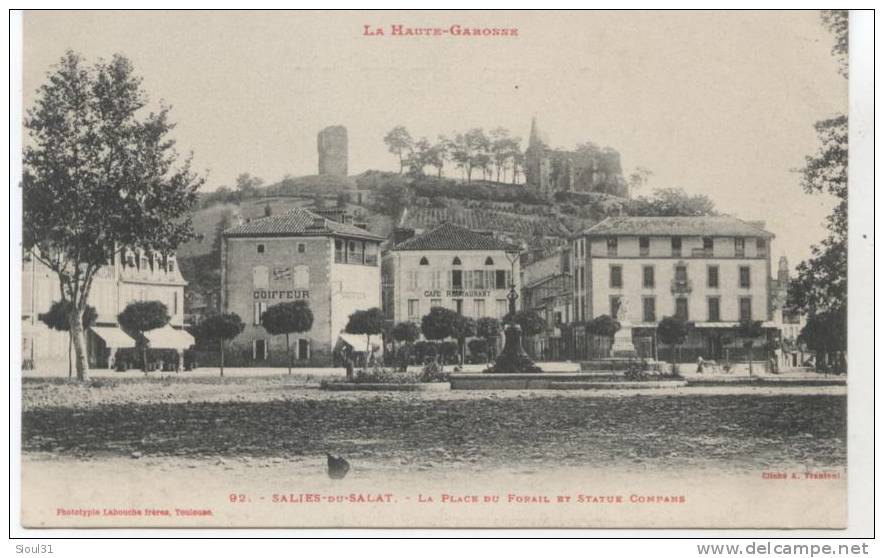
623 346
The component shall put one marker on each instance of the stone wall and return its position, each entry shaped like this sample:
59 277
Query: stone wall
331 143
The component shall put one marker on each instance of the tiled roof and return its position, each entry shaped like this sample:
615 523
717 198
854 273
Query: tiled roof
676 226
449 236
298 222
524 226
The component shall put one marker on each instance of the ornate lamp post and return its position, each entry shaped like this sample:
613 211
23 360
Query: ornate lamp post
513 359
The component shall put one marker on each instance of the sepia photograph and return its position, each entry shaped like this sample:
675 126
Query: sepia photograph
434 269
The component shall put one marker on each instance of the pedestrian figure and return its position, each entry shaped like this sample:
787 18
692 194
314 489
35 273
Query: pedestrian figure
699 365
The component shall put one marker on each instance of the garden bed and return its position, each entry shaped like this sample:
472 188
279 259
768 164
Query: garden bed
354 386
559 381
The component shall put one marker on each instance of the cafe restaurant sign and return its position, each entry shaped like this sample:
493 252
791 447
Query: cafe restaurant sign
264 294
457 294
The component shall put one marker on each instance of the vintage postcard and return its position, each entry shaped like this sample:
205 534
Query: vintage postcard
434 269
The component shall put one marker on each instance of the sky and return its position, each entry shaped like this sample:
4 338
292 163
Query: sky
716 103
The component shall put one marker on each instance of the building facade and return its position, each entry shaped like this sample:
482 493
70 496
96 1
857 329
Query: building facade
132 275
547 290
297 255
448 266
712 271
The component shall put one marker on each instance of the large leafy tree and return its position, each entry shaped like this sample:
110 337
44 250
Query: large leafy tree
287 318
820 286
220 328
58 318
529 320
406 333
671 202
100 175
142 316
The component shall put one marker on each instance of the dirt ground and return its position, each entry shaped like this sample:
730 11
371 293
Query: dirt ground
197 442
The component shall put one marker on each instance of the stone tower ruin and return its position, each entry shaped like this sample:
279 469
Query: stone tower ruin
331 143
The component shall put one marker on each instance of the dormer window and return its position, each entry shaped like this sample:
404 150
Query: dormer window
424 261
489 261
455 261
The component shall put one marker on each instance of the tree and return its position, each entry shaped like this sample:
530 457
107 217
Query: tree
826 334
468 149
390 198
464 327
142 316
407 333
59 318
247 185
479 348
366 322
100 176
603 325
419 157
749 330
529 320
438 154
819 289
399 142
673 331
287 318
671 202
489 330
440 323
220 328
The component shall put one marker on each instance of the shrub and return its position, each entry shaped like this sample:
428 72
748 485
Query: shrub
380 375
433 372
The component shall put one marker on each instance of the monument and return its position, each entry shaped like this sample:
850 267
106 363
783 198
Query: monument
623 346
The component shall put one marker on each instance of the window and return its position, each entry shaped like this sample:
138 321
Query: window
302 247
436 279
435 302
339 250
355 252
681 274
676 246
175 304
479 308
260 308
612 246
502 307
414 309
413 279
708 245
745 281
714 307
648 276
489 261
478 279
499 279
301 277
712 276
616 276
260 277
745 308
644 246
371 254
681 308
259 349
455 261
739 247
303 349
424 261
260 248
458 305
649 309
614 302
760 247
456 279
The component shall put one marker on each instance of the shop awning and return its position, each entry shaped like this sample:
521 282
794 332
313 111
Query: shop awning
356 341
167 337
113 337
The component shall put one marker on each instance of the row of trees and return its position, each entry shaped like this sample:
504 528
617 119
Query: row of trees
493 154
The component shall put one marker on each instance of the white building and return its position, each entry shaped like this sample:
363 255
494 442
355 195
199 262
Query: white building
448 266
712 271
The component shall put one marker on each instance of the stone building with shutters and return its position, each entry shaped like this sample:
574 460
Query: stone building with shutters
448 266
129 276
713 271
297 255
